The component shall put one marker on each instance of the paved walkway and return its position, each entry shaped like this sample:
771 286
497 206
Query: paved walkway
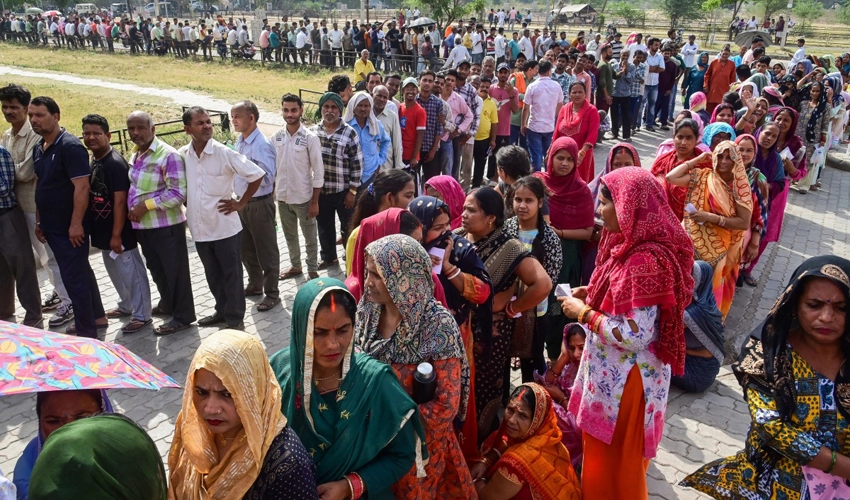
699 428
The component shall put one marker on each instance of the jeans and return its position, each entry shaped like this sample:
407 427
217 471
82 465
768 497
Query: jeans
662 109
538 145
260 254
330 205
635 111
167 258
291 216
447 156
621 113
650 93
517 137
128 276
80 282
222 260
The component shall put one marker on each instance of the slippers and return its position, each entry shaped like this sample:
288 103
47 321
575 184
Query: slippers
750 281
170 327
292 273
135 325
116 313
267 303
158 311
250 292
328 263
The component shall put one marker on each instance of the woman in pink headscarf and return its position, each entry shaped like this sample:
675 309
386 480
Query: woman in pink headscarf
449 190
667 145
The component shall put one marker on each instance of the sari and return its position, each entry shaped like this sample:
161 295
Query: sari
452 193
795 410
501 255
675 194
196 471
372 229
695 80
104 457
595 183
719 246
720 107
668 145
715 128
349 430
538 461
583 128
427 332
472 308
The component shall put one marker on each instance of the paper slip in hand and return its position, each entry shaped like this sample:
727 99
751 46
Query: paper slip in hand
114 255
438 253
786 154
563 291
690 208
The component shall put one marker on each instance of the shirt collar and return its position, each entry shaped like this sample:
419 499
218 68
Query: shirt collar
301 130
251 137
26 129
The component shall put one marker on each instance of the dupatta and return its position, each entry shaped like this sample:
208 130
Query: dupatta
648 263
539 456
675 194
452 193
702 317
595 183
371 405
570 202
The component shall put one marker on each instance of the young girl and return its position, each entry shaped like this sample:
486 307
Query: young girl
559 383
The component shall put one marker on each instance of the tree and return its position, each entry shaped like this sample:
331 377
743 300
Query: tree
446 11
679 10
807 11
772 6
629 13
844 13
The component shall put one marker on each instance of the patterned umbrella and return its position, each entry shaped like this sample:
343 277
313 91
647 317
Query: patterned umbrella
33 360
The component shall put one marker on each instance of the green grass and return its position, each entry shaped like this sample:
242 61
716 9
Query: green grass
229 80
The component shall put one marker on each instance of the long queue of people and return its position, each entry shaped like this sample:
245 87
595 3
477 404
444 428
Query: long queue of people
590 289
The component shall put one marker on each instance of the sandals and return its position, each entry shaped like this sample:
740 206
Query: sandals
250 292
292 273
170 327
135 325
72 330
328 263
515 364
158 311
750 281
116 313
267 304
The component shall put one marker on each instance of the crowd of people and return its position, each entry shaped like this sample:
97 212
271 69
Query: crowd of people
479 237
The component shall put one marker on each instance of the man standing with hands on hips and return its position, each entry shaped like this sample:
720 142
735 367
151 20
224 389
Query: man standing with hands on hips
211 168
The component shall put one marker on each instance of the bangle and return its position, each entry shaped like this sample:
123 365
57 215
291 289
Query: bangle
565 398
595 321
356 484
352 190
832 464
454 275
721 221
581 314
350 486
150 204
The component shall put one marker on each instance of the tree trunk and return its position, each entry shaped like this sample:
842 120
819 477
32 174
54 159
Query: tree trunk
601 14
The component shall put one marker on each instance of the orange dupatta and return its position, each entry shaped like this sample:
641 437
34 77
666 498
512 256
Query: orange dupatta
539 457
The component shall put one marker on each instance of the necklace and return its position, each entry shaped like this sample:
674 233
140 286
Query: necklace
224 440
326 378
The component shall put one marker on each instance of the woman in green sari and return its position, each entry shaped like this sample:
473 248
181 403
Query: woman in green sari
350 411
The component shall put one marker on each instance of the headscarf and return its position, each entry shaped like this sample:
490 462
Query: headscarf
464 257
792 142
835 80
808 67
715 128
702 317
698 64
570 202
698 101
752 85
754 173
427 331
334 98
812 126
539 456
594 184
845 66
648 263
196 470
829 59
771 164
452 193
632 38
369 394
99 458
720 107
372 121
765 362
371 229
761 82
668 145
773 98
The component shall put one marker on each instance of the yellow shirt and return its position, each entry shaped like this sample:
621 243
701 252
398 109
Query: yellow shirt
467 41
489 117
361 67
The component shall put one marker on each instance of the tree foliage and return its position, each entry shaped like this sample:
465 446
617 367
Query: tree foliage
447 11
844 13
771 7
807 11
681 10
632 15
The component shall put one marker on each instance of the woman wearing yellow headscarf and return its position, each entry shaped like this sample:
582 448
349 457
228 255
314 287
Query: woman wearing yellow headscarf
720 209
231 441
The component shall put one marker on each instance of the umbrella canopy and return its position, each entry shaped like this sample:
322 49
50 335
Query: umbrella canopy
422 21
34 10
33 360
748 37
52 13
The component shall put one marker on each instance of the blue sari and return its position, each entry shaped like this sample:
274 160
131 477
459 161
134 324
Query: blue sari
695 80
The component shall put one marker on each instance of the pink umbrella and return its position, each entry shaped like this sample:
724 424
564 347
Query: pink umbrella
52 13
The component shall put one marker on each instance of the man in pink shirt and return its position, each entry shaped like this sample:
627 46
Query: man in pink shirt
264 43
507 102
461 120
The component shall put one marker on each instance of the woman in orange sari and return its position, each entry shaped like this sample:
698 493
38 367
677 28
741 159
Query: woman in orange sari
721 212
525 458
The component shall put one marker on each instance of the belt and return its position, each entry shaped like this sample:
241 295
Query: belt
259 198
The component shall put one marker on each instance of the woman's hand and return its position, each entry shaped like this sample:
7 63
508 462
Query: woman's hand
701 217
571 306
556 393
751 251
337 490
501 299
705 156
580 292
478 470
447 255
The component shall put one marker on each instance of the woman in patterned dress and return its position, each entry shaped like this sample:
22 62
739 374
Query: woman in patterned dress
400 323
636 301
796 382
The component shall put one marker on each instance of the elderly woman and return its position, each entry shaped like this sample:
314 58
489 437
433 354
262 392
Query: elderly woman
636 333
717 132
106 457
525 458
362 430
400 323
720 211
231 439
794 377
53 410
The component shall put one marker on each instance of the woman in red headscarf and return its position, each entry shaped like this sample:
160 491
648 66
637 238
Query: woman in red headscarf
571 216
634 310
448 189
686 133
579 120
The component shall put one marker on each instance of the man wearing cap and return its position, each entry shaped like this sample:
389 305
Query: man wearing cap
433 107
343 163
413 120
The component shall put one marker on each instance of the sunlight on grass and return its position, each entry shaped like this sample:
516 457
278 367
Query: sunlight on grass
230 81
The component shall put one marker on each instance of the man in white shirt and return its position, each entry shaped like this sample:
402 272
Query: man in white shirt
70 31
335 37
500 44
211 213
387 113
655 65
525 45
478 41
300 177
300 41
752 24
456 56
690 51
594 45
501 16
799 55
637 46
543 101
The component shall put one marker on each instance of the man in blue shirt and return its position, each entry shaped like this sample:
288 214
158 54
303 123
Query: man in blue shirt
62 199
260 254
17 264
374 140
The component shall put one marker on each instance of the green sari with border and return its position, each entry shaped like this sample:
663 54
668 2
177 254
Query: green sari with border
370 410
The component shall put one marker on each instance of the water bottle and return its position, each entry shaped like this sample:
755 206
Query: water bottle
424 383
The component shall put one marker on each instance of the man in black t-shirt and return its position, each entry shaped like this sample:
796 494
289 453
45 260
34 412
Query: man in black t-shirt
393 36
61 199
111 231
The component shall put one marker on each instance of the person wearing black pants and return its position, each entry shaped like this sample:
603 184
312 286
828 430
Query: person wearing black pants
222 260
17 264
621 107
79 280
331 205
167 259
